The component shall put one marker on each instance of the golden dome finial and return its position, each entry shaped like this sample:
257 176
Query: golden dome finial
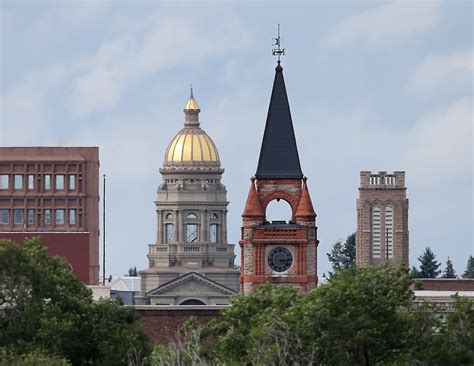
191 105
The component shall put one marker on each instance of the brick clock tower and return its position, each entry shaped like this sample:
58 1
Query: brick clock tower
278 252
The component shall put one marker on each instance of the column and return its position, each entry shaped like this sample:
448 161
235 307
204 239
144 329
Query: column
176 225
223 239
202 236
159 233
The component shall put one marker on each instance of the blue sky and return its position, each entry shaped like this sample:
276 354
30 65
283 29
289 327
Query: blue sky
372 86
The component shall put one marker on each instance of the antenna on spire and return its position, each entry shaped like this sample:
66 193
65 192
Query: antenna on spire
278 51
192 91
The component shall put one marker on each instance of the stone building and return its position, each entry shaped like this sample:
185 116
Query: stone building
53 192
191 261
382 219
278 252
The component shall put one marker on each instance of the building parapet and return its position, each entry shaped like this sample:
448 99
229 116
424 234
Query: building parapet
382 179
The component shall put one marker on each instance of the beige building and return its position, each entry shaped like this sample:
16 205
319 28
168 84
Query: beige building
382 219
53 192
191 261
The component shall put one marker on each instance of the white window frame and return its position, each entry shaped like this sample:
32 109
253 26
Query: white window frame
4 181
56 216
59 182
47 216
3 216
72 216
31 182
31 215
72 182
22 215
18 182
47 182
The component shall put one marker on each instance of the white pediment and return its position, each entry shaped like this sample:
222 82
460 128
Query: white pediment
191 284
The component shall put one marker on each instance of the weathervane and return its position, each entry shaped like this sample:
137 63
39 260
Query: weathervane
278 51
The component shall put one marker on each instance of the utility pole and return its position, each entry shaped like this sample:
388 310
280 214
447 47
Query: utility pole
103 234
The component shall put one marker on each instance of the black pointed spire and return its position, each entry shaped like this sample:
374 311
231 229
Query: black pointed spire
279 154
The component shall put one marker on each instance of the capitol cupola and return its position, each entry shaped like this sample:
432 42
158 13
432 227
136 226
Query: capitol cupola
191 148
191 261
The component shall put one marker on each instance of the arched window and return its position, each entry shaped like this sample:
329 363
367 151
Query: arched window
214 216
169 233
169 216
192 302
213 233
278 210
191 215
376 231
389 231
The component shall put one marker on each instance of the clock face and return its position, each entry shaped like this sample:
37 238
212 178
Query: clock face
280 259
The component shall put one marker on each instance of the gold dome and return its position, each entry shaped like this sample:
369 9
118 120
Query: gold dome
191 144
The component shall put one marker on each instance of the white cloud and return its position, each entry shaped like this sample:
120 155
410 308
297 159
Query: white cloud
439 147
23 107
387 24
445 72
122 62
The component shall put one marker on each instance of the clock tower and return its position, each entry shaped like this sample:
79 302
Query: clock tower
278 252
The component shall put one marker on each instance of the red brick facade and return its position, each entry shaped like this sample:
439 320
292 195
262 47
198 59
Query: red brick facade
162 324
259 237
53 191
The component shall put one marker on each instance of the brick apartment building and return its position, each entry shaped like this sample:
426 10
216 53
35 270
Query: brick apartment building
53 192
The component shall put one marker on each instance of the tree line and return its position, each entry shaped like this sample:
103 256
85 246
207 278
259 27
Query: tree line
343 255
362 316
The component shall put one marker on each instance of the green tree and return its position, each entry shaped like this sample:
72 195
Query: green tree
244 332
469 272
343 255
132 272
362 317
449 271
47 309
453 341
428 265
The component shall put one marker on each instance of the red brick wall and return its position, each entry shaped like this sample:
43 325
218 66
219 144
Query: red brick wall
161 325
73 247
445 284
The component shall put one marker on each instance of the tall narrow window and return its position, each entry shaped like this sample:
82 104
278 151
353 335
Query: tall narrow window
59 182
376 231
18 216
47 216
213 233
4 181
191 233
4 216
169 232
72 182
60 217
47 182
18 181
31 216
72 216
31 182
388 232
